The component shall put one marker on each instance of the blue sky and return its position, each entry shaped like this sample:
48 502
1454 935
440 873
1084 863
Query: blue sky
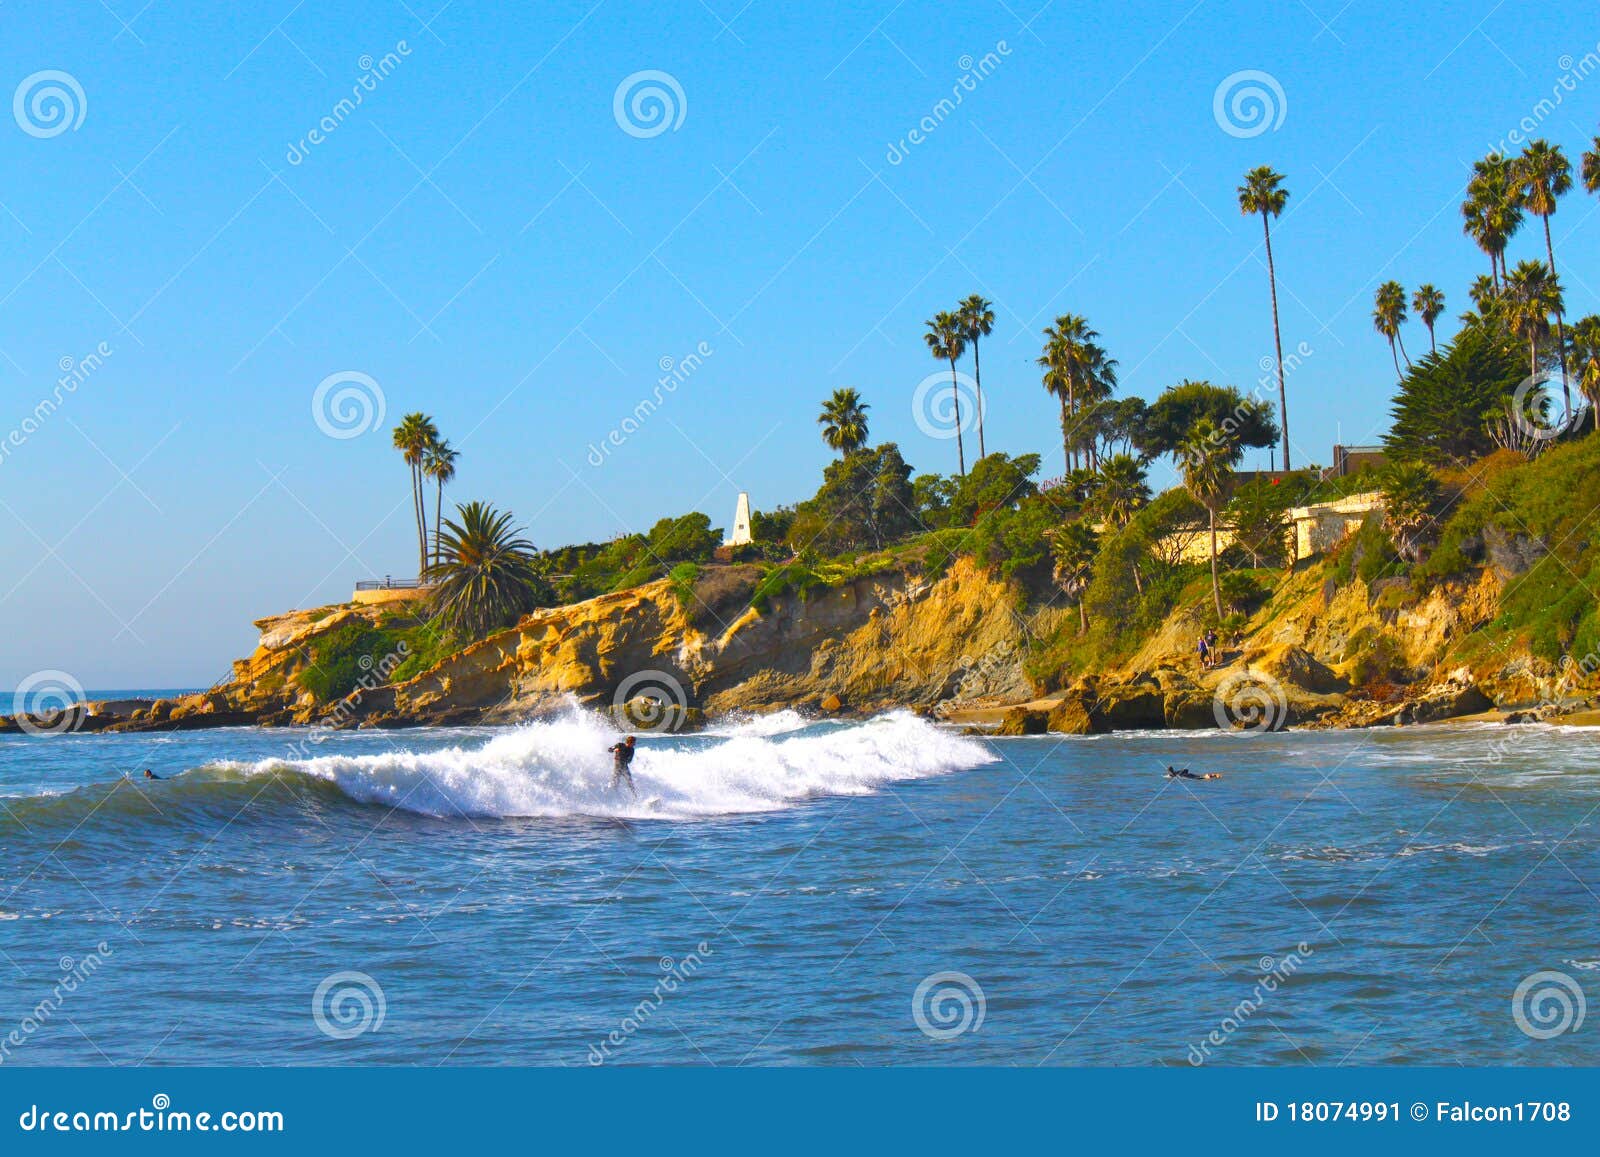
483 239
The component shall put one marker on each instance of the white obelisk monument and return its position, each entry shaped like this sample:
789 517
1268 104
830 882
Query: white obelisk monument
741 523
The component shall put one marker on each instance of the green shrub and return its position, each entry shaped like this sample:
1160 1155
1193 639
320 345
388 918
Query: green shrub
340 660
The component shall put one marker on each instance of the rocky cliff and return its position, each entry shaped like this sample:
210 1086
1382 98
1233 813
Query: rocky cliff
1317 653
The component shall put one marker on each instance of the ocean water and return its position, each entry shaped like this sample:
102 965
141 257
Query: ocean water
787 892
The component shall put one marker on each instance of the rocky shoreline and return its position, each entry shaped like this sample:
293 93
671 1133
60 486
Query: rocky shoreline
952 647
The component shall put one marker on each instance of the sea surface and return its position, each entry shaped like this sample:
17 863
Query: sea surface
788 892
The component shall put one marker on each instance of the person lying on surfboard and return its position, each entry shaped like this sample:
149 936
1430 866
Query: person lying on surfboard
621 757
1185 773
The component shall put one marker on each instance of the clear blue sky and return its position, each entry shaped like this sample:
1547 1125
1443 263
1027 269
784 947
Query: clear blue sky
483 239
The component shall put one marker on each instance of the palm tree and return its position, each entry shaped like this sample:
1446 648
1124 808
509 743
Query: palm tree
486 574
1591 168
1388 315
1119 490
412 437
1410 492
947 341
439 463
1584 361
1077 372
844 421
1493 209
1429 304
1532 295
1485 296
1262 192
1543 176
1073 548
977 321
1206 460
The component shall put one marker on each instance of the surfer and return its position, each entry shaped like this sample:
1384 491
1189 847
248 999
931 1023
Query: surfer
1185 773
148 774
621 758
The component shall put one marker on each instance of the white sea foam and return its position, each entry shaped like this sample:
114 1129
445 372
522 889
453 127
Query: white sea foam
561 768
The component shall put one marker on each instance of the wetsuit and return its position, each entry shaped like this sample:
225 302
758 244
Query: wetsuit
621 757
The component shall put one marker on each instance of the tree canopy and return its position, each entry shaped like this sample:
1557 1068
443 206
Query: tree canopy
1445 402
1168 421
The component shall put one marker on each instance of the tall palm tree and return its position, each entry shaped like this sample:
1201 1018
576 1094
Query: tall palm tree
1388 315
1591 168
439 463
977 321
1584 361
412 437
486 576
1263 193
1544 176
1492 211
1076 371
1429 304
1206 461
1073 548
844 421
947 341
1532 295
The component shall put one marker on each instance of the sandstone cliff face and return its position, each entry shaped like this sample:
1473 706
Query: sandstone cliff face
956 644
866 645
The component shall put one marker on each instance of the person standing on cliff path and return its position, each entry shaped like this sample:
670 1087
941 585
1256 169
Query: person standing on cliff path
621 758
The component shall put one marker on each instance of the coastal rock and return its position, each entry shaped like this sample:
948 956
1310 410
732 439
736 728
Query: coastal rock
1024 721
1071 716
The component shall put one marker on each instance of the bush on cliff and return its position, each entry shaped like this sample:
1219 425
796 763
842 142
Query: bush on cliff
340 659
1537 527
